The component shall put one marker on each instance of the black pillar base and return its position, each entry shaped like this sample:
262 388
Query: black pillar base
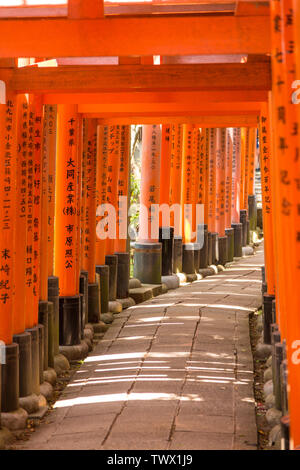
177 254
83 289
209 248
41 352
93 303
188 261
69 320
267 317
166 238
223 257
238 239
43 320
103 272
50 335
147 262
25 363
274 311
214 248
230 243
53 296
112 262
197 256
243 221
278 348
10 379
35 359
123 275
203 261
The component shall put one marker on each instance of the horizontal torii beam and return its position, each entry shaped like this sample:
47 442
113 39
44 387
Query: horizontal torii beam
125 36
109 78
177 109
202 121
157 97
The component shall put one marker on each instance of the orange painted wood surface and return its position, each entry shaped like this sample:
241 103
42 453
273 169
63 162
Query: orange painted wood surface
210 77
118 36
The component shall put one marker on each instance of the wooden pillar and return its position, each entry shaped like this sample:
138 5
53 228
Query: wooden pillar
175 194
102 269
165 168
112 180
220 181
176 175
8 289
236 191
220 195
89 239
7 217
31 315
228 177
147 255
212 180
236 175
188 265
150 180
267 189
65 224
123 272
290 65
123 170
101 182
21 213
40 287
50 148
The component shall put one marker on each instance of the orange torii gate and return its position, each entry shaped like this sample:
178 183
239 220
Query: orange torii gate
92 92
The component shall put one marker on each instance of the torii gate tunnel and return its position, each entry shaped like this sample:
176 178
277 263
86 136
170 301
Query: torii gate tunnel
214 86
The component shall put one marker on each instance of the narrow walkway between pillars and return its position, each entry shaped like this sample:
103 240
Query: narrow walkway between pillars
175 372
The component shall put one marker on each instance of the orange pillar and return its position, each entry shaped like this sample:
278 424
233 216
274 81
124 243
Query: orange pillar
220 181
175 194
147 254
220 195
206 133
7 217
101 182
123 271
50 147
112 182
31 316
123 169
175 177
243 158
290 36
50 121
187 182
267 189
65 225
212 180
228 177
89 240
188 265
165 169
40 289
195 182
21 210
8 288
102 270
236 175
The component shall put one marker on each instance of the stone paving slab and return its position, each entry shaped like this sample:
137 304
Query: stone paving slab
175 372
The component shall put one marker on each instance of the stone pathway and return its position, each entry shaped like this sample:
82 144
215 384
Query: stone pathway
175 372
